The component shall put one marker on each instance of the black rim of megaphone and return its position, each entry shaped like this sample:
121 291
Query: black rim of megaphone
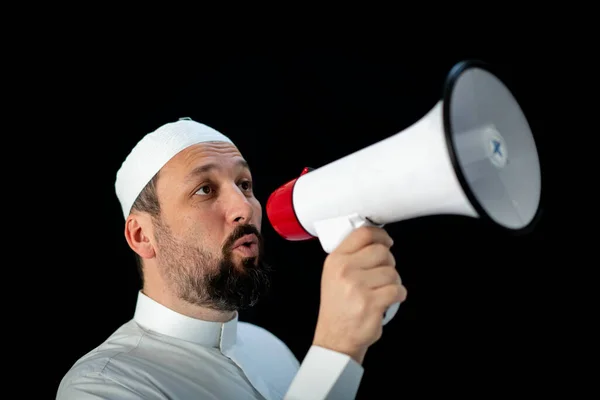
449 85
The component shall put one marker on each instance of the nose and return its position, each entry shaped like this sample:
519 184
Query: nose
238 207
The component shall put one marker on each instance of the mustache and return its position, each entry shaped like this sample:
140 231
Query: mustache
240 231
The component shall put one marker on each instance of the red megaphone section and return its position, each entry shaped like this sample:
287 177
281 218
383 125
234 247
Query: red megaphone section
281 213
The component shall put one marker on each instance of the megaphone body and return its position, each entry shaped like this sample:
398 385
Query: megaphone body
472 154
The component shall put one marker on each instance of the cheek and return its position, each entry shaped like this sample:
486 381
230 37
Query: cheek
257 213
204 230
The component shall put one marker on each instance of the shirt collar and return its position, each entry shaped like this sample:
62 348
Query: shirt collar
158 318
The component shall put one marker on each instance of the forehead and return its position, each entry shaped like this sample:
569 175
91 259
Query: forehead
222 155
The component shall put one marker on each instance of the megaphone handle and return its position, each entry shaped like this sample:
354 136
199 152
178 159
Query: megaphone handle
331 232
390 313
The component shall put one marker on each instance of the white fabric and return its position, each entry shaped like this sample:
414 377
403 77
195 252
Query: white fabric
153 151
161 354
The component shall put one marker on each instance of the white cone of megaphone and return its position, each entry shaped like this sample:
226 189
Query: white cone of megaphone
472 154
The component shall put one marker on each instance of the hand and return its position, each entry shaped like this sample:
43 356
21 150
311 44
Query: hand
359 282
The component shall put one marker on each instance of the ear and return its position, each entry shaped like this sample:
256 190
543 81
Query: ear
138 233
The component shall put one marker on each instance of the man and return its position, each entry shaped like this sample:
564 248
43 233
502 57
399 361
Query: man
193 221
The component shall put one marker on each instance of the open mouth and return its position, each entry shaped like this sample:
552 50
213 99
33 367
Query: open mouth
247 241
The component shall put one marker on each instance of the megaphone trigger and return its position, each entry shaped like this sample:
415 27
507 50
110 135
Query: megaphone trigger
332 231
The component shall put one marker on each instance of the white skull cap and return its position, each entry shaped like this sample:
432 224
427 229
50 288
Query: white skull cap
153 151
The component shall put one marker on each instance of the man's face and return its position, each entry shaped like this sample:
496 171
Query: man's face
208 241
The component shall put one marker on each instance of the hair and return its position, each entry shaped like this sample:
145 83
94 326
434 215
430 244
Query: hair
147 201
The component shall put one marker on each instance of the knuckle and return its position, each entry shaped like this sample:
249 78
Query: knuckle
364 234
391 259
383 254
404 292
381 248
343 273
400 293
379 251
394 293
392 275
335 263
347 278
361 303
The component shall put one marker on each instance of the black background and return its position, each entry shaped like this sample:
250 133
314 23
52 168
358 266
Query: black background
477 308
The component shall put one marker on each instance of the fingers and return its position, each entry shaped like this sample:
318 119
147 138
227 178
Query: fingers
364 236
359 283
387 295
380 276
374 255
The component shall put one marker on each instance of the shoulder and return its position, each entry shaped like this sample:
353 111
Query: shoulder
263 339
259 334
269 355
104 369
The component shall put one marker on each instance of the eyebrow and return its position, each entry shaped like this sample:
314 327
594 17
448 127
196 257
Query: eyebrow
202 169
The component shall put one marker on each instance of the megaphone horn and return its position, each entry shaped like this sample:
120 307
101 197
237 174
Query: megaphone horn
472 154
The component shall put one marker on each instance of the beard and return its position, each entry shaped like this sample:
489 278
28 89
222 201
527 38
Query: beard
216 282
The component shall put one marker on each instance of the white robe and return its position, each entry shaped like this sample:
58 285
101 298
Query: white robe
161 354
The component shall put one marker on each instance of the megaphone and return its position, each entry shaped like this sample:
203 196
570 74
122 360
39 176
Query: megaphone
473 154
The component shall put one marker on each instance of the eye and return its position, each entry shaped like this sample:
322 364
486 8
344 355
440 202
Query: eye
246 186
204 190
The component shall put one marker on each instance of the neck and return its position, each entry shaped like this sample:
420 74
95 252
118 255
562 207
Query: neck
162 295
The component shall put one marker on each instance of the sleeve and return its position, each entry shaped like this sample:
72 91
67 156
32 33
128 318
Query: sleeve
96 387
325 375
